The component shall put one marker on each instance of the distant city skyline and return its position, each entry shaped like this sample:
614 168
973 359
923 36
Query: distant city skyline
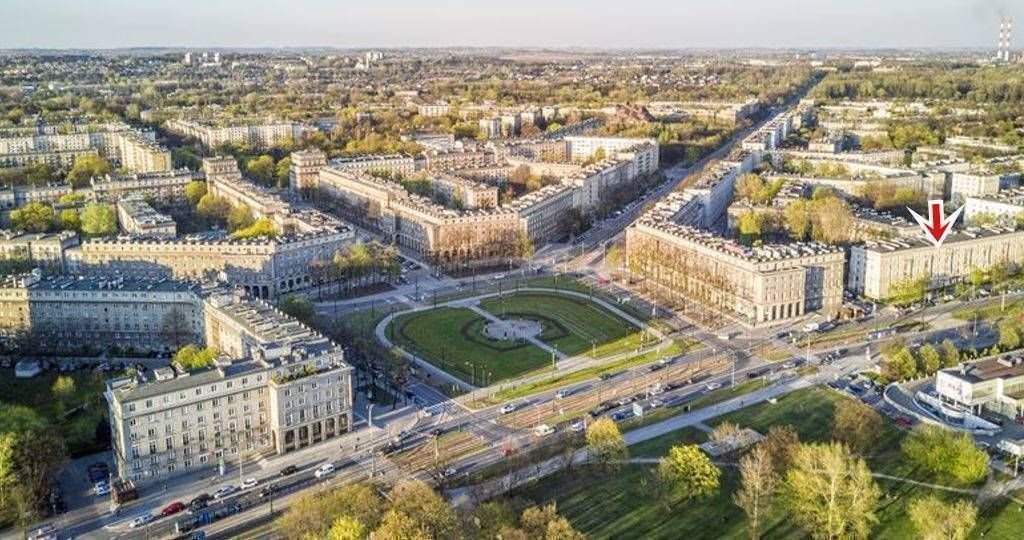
528 23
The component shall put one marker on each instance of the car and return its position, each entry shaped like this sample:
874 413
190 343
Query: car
102 488
712 386
202 499
624 401
324 470
655 367
788 365
291 469
507 408
577 426
224 491
140 521
173 508
563 393
250 483
724 336
655 403
450 471
622 415
543 430
45 532
267 491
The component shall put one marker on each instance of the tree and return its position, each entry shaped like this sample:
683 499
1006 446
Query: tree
950 354
261 169
174 328
34 217
605 444
797 219
782 444
8 444
261 228
942 451
545 523
937 520
758 481
856 425
928 359
99 219
63 387
194 191
281 171
86 167
69 220
432 515
346 528
1009 338
191 357
829 493
316 515
493 516
687 473
400 526
213 208
749 224
240 217
900 364
299 307
724 432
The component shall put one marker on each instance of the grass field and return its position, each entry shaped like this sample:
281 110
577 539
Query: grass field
572 325
80 428
622 504
451 337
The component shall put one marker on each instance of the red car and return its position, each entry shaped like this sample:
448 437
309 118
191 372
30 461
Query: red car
173 508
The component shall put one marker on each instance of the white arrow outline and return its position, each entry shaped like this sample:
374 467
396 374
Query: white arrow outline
948 222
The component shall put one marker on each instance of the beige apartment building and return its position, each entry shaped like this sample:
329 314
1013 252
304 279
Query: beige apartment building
223 179
43 249
137 217
277 386
261 135
165 185
399 165
877 266
142 155
304 173
101 311
756 286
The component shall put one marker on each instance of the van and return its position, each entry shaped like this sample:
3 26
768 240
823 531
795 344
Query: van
324 470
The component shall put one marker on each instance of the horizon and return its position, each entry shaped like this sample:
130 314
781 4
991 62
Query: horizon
642 24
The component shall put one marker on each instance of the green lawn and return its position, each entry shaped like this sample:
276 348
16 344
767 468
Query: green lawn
572 325
451 337
89 409
621 503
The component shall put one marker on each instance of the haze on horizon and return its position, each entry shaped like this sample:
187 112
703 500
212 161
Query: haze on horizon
528 23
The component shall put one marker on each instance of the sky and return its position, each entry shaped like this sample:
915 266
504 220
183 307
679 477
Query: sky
509 23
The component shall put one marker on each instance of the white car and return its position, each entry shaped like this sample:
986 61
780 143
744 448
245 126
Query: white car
577 425
563 393
543 430
250 483
324 470
224 492
507 408
712 386
140 521
102 488
450 471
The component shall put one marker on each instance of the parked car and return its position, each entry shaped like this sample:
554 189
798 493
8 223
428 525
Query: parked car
324 470
250 483
102 488
563 393
45 532
224 491
712 386
268 491
543 430
291 469
507 408
173 508
577 425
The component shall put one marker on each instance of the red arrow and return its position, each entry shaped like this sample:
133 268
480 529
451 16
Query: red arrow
937 227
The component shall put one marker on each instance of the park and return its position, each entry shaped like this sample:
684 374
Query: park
493 338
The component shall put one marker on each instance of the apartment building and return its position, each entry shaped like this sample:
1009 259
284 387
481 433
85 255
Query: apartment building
438 108
264 267
142 155
137 217
543 213
398 165
223 179
755 286
973 184
277 386
877 266
166 185
1006 205
450 160
305 170
261 135
45 249
645 149
465 193
113 310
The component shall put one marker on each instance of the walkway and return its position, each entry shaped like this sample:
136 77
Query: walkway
532 339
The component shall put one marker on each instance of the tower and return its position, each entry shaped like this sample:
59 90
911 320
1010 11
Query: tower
1005 36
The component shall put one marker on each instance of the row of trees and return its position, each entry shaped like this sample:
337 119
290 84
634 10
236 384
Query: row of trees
902 363
358 264
756 189
94 219
412 510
